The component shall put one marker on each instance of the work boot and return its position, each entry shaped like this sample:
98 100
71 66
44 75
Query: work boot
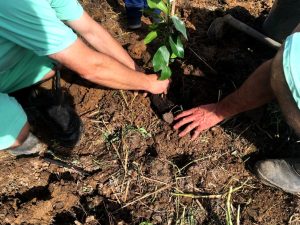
32 145
134 15
280 173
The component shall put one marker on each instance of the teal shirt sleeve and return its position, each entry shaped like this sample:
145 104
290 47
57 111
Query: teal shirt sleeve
67 9
37 26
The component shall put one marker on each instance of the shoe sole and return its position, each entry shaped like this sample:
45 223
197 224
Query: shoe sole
135 27
30 152
265 181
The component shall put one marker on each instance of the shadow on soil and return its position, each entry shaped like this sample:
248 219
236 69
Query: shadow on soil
234 58
52 116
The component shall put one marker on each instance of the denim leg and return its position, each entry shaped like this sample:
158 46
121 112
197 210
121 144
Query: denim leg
134 12
135 3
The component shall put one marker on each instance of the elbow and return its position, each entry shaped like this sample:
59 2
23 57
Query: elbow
93 69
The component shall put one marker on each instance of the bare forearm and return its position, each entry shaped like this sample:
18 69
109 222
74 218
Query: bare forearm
103 42
104 70
108 72
256 91
100 39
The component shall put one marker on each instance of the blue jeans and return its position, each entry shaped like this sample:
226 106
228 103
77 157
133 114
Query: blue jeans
136 4
134 10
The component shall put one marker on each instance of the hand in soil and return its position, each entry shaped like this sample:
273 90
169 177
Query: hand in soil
157 86
199 119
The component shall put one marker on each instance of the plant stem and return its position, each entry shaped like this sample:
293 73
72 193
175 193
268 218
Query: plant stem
147 195
173 7
228 208
238 215
197 196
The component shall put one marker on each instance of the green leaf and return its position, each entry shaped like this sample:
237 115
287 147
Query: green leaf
177 48
165 73
179 25
173 56
161 58
147 11
150 37
158 4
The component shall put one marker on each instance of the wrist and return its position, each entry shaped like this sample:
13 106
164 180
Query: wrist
148 83
225 109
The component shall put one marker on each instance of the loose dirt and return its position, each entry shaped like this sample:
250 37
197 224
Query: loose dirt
139 170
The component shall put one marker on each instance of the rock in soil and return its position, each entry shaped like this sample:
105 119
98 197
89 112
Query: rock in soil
168 117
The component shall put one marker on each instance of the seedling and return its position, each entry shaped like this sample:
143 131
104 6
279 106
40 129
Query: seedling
170 30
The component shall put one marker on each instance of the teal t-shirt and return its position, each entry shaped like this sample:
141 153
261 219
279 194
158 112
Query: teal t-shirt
37 26
291 65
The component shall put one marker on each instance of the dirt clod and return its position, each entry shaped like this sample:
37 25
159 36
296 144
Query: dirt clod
168 117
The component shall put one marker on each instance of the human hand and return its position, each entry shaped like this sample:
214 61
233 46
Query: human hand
139 69
199 119
157 86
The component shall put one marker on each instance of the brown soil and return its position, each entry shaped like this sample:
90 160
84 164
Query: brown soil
139 170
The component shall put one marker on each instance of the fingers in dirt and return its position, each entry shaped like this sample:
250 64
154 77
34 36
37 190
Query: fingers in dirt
196 134
188 129
184 121
185 113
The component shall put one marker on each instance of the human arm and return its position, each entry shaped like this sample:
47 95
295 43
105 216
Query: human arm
100 39
254 92
43 33
104 70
